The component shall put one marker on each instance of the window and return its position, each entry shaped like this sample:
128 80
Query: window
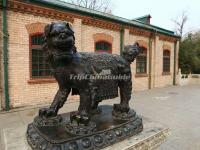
103 46
141 62
166 61
39 66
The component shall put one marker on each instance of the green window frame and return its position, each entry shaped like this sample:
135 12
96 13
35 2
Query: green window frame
166 61
39 66
141 62
103 46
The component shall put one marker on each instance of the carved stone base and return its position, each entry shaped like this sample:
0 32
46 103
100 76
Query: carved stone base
107 131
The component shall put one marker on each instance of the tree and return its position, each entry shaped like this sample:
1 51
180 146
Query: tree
99 5
180 23
189 54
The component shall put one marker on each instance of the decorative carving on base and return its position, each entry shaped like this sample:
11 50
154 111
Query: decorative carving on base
106 132
81 129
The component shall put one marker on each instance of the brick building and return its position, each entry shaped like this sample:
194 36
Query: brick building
25 77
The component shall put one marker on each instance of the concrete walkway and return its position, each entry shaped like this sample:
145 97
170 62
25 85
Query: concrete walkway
176 107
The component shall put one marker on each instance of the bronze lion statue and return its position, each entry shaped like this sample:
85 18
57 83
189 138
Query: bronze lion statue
94 76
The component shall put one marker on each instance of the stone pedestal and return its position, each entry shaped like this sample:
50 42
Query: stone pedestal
105 128
152 136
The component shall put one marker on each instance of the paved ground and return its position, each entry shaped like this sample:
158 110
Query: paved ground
176 107
179 109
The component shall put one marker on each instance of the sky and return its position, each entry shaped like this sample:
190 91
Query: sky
162 12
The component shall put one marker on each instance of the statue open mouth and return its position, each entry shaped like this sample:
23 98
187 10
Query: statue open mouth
63 55
64 45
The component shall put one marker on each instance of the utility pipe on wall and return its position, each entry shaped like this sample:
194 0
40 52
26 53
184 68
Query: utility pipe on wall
121 40
174 73
5 55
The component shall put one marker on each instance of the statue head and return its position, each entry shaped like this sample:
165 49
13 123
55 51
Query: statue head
131 52
59 41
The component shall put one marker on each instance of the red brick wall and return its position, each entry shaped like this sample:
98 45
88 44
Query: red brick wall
24 91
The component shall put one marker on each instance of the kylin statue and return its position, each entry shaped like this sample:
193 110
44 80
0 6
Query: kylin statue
95 77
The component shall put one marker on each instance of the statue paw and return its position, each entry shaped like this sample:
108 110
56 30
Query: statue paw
80 118
96 111
122 112
121 108
47 112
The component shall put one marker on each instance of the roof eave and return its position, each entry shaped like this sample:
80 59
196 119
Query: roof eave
96 14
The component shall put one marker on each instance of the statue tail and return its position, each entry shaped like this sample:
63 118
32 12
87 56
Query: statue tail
131 52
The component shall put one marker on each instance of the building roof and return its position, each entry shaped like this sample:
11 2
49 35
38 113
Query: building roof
145 19
64 6
145 16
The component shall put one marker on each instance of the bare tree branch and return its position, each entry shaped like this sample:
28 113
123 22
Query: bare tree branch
180 23
99 5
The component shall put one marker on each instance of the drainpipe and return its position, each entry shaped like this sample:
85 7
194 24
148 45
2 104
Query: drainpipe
174 74
121 40
5 55
150 60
